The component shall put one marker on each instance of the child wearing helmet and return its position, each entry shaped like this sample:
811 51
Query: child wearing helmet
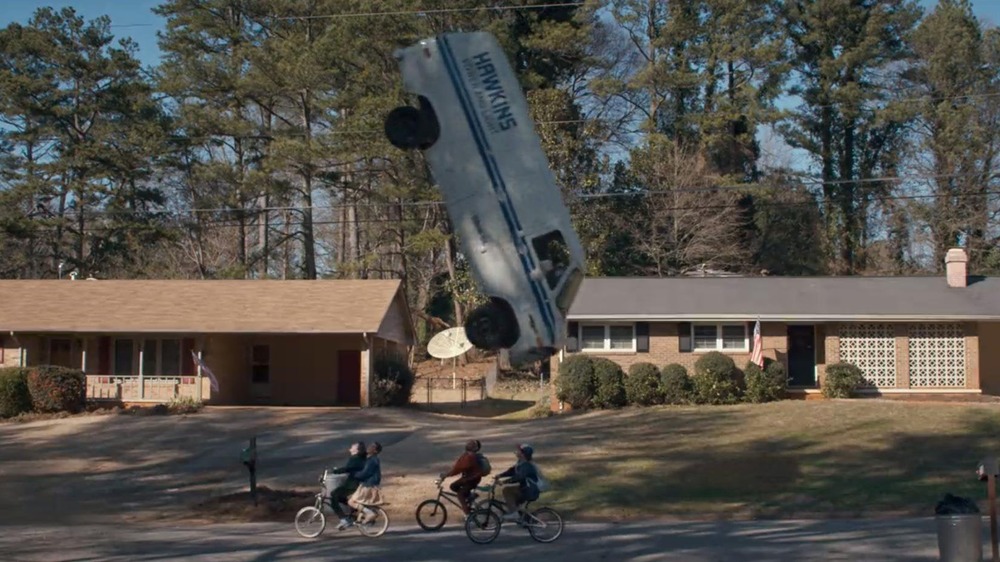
522 482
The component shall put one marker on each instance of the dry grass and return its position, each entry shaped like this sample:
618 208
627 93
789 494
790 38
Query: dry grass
786 459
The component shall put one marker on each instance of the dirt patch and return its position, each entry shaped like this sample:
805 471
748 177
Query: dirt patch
272 505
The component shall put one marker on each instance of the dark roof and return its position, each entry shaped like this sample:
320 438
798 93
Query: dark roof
787 298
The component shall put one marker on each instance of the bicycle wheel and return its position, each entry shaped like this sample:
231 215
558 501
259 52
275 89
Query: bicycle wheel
482 526
377 526
544 525
310 522
431 515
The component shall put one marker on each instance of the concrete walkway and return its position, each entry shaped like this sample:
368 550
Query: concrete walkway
883 540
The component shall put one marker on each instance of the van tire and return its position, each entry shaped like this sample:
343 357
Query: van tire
492 326
409 128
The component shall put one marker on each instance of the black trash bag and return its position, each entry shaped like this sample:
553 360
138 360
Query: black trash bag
955 505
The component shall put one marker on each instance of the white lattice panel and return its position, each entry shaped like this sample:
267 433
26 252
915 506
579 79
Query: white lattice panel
937 356
872 348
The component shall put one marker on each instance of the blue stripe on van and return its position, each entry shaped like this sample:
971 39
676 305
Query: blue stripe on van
499 186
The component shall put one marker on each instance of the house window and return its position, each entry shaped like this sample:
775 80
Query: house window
124 354
720 337
170 358
607 337
260 364
149 357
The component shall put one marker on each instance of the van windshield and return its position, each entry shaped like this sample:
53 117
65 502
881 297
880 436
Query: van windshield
553 255
565 297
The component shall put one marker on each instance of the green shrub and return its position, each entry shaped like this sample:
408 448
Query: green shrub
576 383
57 389
609 384
675 384
767 384
542 408
15 398
183 405
841 380
392 381
715 379
643 386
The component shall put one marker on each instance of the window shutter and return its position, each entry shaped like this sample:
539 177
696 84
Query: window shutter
642 337
684 336
104 356
748 334
572 330
187 361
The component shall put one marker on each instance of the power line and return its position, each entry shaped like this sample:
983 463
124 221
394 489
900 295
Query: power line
228 223
399 13
586 196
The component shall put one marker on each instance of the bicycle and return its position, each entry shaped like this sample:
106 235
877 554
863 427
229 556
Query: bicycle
429 510
313 514
545 525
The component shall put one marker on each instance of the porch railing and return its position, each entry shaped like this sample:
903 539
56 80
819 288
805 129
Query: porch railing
148 389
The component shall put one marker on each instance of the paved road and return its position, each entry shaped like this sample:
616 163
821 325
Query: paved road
885 540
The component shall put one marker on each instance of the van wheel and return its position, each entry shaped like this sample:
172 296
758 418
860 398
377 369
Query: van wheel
492 326
408 128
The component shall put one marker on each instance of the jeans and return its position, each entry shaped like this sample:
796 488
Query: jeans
338 498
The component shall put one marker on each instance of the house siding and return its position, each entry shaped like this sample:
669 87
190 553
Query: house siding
982 352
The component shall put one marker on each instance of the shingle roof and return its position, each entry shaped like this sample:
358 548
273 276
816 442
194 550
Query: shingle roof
787 298
216 306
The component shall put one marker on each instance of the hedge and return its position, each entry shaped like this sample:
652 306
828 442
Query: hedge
15 398
715 379
643 386
675 383
57 389
576 383
767 384
392 381
609 384
841 380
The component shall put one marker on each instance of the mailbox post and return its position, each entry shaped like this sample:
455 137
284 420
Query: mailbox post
249 458
988 470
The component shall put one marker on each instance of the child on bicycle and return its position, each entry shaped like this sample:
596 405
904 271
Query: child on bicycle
369 491
355 464
522 482
471 470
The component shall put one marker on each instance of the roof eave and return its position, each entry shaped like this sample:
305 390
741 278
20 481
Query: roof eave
787 317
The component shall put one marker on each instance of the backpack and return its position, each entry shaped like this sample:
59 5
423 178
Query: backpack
484 464
542 484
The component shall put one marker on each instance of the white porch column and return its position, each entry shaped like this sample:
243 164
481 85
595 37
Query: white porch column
198 375
83 355
142 383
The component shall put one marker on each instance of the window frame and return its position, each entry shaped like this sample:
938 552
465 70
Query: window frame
607 338
719 339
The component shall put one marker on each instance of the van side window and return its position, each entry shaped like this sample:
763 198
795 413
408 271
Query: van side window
565 298
553 255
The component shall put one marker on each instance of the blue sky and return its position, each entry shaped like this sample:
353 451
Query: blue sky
134 18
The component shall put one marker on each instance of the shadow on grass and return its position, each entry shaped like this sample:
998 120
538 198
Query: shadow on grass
782 476
488 408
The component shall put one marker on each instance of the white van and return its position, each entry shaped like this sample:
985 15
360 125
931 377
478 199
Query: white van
512 226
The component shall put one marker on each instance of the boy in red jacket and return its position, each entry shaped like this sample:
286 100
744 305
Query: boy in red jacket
471 473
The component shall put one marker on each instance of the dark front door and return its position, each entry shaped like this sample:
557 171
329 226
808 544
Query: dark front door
349 378
802 356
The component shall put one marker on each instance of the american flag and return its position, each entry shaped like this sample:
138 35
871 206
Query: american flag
757 357
205 370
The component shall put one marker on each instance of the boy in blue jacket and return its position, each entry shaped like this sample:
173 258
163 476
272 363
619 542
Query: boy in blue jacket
522 482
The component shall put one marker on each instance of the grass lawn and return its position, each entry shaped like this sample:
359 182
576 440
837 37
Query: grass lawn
787 459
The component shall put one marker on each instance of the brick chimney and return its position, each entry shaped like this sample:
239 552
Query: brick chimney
955 264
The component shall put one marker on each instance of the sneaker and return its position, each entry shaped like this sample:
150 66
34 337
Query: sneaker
512 516
344 523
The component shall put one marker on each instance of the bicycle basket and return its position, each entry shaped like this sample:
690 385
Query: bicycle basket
332 482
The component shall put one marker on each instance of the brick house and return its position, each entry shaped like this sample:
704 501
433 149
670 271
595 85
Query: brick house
267 342
907 334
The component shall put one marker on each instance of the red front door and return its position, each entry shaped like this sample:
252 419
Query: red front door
349 378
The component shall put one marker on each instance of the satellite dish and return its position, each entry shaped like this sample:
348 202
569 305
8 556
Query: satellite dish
449 343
